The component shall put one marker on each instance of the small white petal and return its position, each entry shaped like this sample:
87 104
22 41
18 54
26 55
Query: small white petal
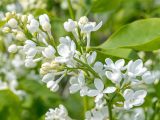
109 90
128 93
98 26
99 84
93 93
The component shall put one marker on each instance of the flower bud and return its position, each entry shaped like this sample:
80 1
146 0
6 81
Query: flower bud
24 18
12 48
53 86
70 25
12 23
20 36
48 77
46 66
6 29
54 64
46 27
8 15
83 20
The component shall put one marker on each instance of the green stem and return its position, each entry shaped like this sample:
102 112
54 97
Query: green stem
110 110
89 67
71 9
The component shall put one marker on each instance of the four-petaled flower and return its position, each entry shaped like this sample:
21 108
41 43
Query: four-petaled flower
78 84
100 91
133 98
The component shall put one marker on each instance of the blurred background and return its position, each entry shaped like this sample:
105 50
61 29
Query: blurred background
22 94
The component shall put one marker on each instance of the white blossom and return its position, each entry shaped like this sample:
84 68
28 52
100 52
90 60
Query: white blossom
66 50
113 70
57 114
78 84
100 91
45 22
13 23
48 52
148 77
33 26
133 98
135 69
101 114
70 25
12 48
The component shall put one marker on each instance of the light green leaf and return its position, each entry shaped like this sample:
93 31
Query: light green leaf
104 5
127 54
2 23
139 35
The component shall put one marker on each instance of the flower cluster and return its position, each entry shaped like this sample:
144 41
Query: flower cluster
57 114
90 77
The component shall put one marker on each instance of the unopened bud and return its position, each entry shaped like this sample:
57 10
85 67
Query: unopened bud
12 23
6 29
12 48
20 36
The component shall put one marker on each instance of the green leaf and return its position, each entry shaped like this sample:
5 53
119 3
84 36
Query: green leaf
10 108
115 54
139 35
104 5
2 23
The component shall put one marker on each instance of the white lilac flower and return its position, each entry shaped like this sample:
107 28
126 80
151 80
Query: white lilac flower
20 36
45 22
57 114
52 84
49 52
100 91
87 27
148 77
113 70
12 23
133 114
94 114
31 52
49 79
70 25
99 68
78 84
28 44
133 98
33 26
135 69
12 48
66 50
30 63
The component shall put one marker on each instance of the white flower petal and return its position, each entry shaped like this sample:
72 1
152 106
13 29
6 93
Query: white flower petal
99 84
109 90
74 88
140 94
128 93
63 50
98 26
119 63
93 93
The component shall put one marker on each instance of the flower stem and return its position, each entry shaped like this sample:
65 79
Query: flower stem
71 9
110 110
